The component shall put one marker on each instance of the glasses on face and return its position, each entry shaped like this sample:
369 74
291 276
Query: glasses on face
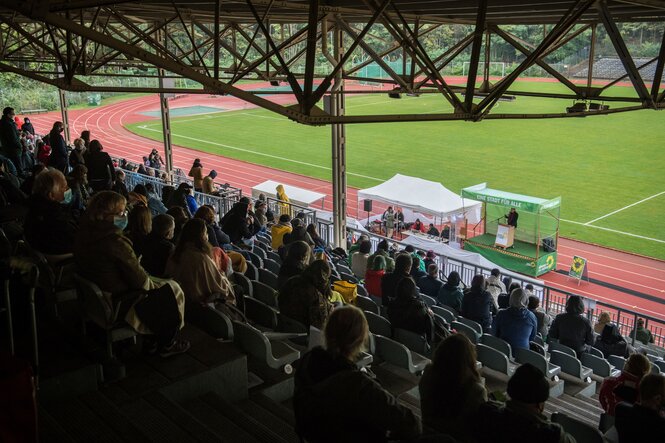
123 213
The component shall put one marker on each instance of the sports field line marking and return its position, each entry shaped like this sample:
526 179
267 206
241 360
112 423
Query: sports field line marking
625 207
262 153
613 230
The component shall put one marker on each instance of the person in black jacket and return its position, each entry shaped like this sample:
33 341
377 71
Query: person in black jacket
59 158
216 237
477 304
336 402
235 222
158 247
10 142
408 311
27 127
644 421
389 281
101 171
571 328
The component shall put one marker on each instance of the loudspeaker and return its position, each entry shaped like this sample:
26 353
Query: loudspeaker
548 245
367 205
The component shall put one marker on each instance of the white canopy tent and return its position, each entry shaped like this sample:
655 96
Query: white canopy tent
423 196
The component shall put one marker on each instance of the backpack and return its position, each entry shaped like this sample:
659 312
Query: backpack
348 291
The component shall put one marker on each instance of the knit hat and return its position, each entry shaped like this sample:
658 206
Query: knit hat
431 254
518 298
212 174
528 385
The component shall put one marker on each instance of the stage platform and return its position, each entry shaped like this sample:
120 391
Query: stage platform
520 258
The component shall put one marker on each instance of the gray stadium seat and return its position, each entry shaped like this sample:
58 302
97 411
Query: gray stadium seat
252 272
287 324
269 278
260 313
498 344
275 257
582 432
556 346
271 265
348 277
528 356
275 354
244 282
570 365
362 291
493 359
367 304
447 314
473 324
265 294
399 355
660 364
616 361
470 333
429 301
415 342
255 259
597 352
260 252
598 365
378 325
538 339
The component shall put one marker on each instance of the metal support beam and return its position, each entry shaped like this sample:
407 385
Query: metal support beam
64 112
486 86
337 106
475 55
658 76
165 112
592 56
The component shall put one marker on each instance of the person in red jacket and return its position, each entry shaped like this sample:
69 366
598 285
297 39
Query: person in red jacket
373 277
624 388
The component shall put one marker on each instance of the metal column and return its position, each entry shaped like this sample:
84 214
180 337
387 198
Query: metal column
64 113
165 113
338 148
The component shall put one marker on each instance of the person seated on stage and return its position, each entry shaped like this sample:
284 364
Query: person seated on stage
418 226
644 421
624 388
511 218
433 231
445 233
495 286
359 259
641 333
477 304
451 294
430 283
516 324
572 328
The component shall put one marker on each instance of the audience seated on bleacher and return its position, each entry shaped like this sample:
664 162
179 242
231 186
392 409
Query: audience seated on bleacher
279 230
382 250
316 238
236 223
641 333
49 225
27 184
543 318
477 304
451 294
430 258
504 299
408 311
101 172
196 172
624 388
78 183
299 233
158 247
306 297
430 283
335 402
297 259
603 319
359 259
610 342
216 236
373 277
104 255
154 203
451 389
522 420
179 198
572 328
355 247
119 183
139 225
644 421
516 324
180 218
495 286
193 266
416 268
260 211
390 280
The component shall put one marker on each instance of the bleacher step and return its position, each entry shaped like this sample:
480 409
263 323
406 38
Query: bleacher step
183 418
217 422
254 426
79 422
268 419
284 413
107 411
154 423
50 430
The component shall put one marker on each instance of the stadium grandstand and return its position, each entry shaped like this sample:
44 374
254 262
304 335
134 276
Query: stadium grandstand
157 289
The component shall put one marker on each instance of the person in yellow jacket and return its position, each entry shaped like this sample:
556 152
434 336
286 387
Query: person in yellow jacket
279 230
283 200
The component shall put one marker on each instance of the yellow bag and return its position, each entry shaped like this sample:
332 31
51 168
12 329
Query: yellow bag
348 291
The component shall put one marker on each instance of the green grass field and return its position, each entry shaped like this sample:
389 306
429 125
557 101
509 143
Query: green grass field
596 164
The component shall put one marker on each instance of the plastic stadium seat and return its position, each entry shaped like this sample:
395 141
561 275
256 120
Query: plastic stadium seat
315 338
415 342
260 252
616 361
399 355
272 266
262 243
528 356
429 301
367 304
538 339
265 294
255 259
570 365
597 352
348 277
655 369
598 365
582 432
362 291
268 278
535 347
275 354
447 314
378 325
252 272
470 333
473 324
261 314
493 359
660 364
498 344
272 255
556 346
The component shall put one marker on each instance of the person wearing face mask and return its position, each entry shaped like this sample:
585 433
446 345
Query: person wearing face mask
103 254
59 159
49 225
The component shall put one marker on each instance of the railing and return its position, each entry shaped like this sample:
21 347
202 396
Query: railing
279 207
552 299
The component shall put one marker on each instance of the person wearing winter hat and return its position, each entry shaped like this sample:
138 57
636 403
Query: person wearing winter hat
208 183
516 324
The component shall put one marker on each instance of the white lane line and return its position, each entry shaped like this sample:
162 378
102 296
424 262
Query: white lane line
614 230
260 153
625 207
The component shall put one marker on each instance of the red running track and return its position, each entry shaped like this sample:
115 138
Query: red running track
625 270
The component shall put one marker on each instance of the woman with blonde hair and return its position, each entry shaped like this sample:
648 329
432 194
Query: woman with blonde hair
451 390
603 319
335 401
104 255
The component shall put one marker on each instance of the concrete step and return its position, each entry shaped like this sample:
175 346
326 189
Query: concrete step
183 418
275 408
79 422
217 422
113 417
261 431
50 430
270 420
152 422
573 408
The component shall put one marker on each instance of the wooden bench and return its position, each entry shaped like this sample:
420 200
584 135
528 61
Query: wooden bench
33 111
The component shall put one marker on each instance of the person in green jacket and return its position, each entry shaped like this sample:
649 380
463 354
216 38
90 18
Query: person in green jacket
640 333
450 293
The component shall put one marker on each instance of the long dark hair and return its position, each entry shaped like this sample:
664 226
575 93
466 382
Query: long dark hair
193 233
318 275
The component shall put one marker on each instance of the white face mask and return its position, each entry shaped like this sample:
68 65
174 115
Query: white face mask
68 197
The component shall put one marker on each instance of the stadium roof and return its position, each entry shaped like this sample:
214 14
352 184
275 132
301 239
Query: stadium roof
71 44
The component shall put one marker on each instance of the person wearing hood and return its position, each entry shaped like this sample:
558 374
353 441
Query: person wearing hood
208 185
284 206
179 198
59 158
306 297
27 126
49 225
334 401
611 342
516 324
235 223
451 294
196 172
572 328
154 203
104 255
382 250
10 141
260 214
408 311
477 304
101 172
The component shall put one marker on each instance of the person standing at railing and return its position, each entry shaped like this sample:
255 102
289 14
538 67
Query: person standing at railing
208 185
196 172
283 200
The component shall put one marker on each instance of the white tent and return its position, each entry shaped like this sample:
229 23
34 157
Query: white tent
422 196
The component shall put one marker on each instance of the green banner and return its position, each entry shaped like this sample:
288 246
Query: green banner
578 267
515 262
520 202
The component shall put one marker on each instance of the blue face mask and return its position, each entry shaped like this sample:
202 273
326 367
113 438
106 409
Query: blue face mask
120 221
68 197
